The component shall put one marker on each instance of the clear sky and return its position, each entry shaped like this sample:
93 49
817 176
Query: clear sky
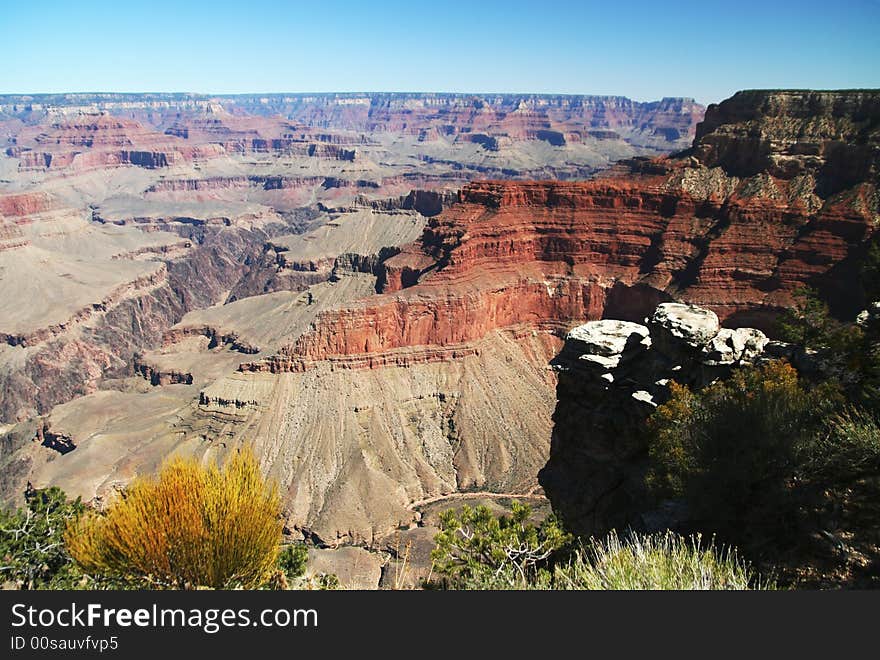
644 50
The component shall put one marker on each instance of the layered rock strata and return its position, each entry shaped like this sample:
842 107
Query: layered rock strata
547 253
97 140
440 384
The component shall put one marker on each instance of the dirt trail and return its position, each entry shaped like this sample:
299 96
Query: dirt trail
529 495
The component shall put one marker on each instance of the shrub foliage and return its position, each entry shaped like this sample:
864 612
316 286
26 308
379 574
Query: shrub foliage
809 324
192 526
733 449
478 550
32 550
764 459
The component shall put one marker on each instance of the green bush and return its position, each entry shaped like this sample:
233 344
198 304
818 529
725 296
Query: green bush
847 451
761 458
809 324
291 572
476 549
849 353
870 273
292 560
32 549
733 450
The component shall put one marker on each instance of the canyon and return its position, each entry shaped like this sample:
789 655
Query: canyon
375 291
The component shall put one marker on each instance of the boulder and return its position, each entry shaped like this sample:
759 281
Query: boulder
734 346
605 343
598 450
870 316
674 325
644 397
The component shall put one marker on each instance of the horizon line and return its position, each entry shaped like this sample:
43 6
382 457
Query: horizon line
208 95
330 92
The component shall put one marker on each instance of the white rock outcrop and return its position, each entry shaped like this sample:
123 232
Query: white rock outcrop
680 322
681 342
869 316
605 343
734 346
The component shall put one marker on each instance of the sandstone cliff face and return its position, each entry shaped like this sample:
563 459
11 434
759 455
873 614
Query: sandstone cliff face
16 208
548 253
248 134
555 120
832 135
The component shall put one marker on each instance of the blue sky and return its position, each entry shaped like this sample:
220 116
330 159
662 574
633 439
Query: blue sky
640 49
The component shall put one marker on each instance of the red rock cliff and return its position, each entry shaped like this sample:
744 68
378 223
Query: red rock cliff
548 253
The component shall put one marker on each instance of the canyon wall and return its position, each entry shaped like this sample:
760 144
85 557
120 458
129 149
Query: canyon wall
549 253
382 375
811 161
